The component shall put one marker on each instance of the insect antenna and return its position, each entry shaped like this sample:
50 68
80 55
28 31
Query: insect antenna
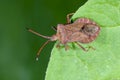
38 34
38 53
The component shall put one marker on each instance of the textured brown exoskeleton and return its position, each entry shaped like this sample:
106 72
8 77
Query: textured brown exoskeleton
83 30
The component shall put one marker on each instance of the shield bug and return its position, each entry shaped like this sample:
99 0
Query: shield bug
82 30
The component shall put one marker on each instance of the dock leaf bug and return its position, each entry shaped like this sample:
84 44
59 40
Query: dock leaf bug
82 30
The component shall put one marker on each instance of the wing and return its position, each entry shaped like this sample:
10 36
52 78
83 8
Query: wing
74 27
79 37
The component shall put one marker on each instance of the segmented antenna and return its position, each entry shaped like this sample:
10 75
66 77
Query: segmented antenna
38 34
38 53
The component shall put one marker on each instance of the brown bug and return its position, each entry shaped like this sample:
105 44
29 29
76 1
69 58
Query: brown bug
83 30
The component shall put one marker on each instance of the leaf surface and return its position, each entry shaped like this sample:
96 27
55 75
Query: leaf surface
100 64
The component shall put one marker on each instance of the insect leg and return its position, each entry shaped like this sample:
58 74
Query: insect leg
58 45
54 28
38 53
68 17
66 47
81 46
90 47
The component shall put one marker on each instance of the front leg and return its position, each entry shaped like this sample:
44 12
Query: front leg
58 45
54 28
66 46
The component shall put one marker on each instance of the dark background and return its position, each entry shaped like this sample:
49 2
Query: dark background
18 47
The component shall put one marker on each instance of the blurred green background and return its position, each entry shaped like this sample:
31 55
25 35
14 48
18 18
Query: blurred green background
18 47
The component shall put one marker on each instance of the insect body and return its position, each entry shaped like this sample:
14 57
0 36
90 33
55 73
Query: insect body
83 30
76 32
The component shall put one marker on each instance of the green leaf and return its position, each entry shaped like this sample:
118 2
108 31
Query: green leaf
100 64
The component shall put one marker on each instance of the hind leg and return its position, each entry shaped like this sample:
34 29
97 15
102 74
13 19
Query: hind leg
84 49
